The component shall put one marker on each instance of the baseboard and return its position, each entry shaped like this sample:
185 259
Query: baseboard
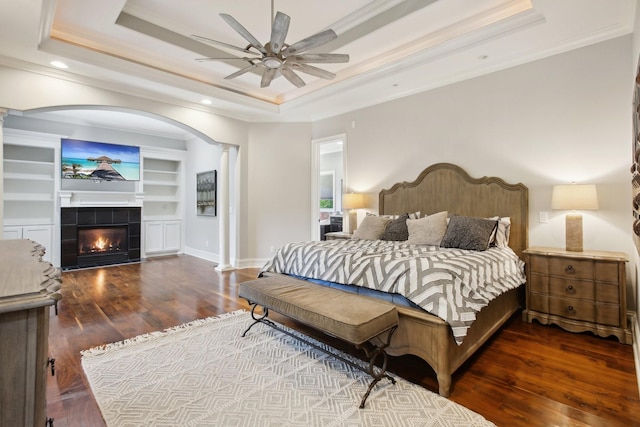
202 254
253 262
245 263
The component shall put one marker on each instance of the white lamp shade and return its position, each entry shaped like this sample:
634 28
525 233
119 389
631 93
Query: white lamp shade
574 197
352 201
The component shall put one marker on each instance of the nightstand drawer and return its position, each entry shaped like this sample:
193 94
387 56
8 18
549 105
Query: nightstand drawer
562 287
571 268
608 293
573 308
538 283
607 314
539 302
607 272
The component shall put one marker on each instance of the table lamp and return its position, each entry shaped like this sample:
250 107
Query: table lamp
351 202
574 197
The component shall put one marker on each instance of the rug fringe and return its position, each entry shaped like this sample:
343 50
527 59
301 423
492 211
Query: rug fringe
102 349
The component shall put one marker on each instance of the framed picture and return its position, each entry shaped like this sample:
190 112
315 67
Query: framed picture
206 188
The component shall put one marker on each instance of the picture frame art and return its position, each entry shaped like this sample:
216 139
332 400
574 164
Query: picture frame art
206 192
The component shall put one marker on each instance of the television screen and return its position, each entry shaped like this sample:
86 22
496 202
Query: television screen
99 161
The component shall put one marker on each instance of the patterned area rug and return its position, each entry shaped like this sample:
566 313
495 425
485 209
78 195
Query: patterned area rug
205 374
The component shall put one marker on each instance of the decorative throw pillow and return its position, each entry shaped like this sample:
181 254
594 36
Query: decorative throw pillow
371 228
428 230
396 229
500 236
470 233
413 215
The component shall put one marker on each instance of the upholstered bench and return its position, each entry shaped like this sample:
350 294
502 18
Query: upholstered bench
353 318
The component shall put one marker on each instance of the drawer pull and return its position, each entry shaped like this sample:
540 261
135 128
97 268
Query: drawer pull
569 269
570 309
571 290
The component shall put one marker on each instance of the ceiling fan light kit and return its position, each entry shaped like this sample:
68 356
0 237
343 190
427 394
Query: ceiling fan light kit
276 57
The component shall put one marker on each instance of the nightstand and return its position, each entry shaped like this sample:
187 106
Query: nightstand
338 235
578 291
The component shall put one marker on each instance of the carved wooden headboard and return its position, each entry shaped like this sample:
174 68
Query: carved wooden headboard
444 186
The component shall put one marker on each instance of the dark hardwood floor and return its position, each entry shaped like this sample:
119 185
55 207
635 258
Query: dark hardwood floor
527 375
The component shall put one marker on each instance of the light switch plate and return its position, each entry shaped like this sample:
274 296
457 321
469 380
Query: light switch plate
544 216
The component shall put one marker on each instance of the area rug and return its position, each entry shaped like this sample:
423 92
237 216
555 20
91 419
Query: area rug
205 374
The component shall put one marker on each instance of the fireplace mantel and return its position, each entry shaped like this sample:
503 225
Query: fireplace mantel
69 199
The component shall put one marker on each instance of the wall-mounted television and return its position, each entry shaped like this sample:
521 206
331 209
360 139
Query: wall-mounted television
99 161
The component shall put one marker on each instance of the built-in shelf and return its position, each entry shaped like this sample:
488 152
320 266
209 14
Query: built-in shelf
28 180
162 182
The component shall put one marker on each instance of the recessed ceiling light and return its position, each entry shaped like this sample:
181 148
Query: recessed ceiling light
206 101
59 64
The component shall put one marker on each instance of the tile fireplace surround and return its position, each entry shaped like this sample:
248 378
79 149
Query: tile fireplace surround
75 255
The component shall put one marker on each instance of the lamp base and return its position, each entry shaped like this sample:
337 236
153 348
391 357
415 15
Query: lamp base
353 220
573 230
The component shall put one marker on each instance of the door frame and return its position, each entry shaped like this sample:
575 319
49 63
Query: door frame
316 144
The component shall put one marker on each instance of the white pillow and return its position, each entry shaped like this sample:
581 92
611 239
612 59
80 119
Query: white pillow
428 230
501 237
371 228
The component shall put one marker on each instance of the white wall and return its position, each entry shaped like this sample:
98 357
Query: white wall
279 182
556 120
201 232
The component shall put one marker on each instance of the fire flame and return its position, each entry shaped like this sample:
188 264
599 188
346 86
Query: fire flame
100 243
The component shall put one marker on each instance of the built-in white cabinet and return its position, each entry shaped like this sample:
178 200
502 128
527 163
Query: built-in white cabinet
41 234
162 206
162 236
162 179
30 171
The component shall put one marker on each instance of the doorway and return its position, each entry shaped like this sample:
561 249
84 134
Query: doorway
327 184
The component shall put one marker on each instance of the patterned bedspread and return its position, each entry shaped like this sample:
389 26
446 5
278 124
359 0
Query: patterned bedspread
453 284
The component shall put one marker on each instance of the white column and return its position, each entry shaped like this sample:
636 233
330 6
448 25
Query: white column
223 211
3 113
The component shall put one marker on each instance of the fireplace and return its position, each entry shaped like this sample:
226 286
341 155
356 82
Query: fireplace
99 236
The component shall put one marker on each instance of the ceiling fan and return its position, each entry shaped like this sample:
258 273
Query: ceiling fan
276 57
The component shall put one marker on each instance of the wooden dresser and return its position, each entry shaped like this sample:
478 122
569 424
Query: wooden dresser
578 291
28 287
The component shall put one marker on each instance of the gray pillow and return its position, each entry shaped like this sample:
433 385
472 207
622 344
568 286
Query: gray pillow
396 229
468 233
371 228
428 230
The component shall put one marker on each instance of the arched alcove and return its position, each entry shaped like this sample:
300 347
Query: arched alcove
161 138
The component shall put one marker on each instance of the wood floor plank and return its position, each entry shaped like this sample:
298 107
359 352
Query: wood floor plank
526 375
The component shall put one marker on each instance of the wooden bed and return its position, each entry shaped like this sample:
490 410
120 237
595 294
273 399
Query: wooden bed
447 187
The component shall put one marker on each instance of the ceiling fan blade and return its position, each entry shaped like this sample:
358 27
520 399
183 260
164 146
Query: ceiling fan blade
267 76
292 77
314 71
310 42
279 31
243 32
219 58
327 58
215 42
241 71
